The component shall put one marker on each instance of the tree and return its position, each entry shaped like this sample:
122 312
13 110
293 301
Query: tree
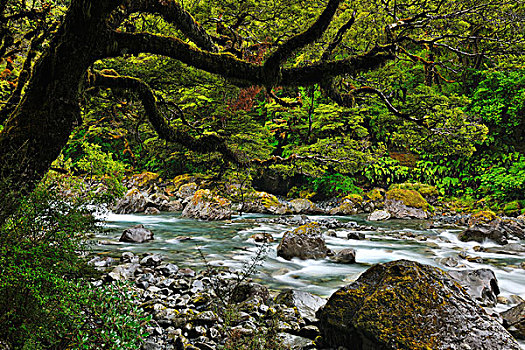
44 108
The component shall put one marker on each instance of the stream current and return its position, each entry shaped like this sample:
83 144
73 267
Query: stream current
229 243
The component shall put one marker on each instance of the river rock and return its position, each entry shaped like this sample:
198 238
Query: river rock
345 256
187 190
406 204
124 272
304 206
514 320
136 234
408 305
379 215
481 285
305 242
486 225
509 248
264 203
247 291
174 205
306 303
151 211
206 206
134 201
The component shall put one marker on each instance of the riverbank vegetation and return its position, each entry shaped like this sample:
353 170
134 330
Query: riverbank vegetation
301 99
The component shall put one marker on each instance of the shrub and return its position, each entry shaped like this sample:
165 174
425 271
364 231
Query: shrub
46 300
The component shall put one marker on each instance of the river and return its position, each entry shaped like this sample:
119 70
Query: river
228 243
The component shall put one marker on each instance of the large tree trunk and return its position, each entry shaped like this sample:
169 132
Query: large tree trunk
40 126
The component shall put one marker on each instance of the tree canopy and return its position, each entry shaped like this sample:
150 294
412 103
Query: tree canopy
309 83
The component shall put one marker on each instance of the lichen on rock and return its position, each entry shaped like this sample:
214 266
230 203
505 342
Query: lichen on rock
408 305
406 204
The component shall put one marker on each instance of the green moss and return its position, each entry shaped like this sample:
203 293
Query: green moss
410 198
309 228
483 216
354 198
374 195
512 208
427 191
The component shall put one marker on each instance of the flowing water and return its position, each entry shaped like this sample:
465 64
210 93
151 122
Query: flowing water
228 243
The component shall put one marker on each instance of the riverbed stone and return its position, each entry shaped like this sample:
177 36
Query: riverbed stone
514 321
206 206
124 272
304 206
136 234
408 305
345 256
264 203
187 190
134 201
151 211
379 215
406 204
306 303
305 242
486 224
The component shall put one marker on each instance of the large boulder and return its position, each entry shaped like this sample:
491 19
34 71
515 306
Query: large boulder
408 305
379 215
134 201
206 206
514 320
187 190
305 242
486 225
136 234
350 205
304 206
481 285
265 203
406 204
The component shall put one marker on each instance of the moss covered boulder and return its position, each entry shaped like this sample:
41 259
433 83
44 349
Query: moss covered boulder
429 192
304 206
265 203
485 225
305 242
406 204
206 206
408 305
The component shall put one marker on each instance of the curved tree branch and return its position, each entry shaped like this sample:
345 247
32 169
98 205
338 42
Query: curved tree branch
202 144
284 51
173 13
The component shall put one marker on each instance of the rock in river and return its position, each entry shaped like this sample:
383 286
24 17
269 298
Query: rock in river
206 206
514 320
408 305
136 234
305 242
406 204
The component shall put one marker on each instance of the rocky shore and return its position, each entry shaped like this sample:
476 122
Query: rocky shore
397 305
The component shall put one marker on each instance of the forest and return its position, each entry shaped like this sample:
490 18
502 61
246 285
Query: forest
326 108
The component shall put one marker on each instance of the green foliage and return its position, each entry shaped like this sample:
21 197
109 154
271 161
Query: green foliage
332 185
45 299
506 181
500 102
385 171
